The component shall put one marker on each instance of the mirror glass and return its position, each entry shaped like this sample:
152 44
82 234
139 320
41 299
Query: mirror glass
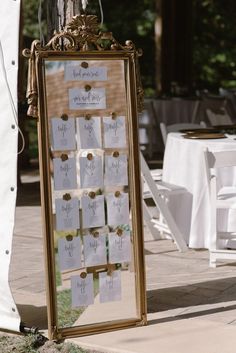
90 170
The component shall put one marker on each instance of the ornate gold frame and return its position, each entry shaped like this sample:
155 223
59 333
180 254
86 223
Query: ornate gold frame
81 39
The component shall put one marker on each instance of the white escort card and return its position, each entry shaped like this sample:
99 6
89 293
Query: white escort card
65 176
118 209
95 250
82 291
85 72
110 287
119 247
89 132
116 170
93 213
80 98
114 132
67 214
69 253
63 134
91 171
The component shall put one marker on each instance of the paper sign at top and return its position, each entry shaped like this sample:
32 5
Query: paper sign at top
79 98
79 73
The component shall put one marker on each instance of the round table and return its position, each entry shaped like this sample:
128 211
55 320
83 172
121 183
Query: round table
184 166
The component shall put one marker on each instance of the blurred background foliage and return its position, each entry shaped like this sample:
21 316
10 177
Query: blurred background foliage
214 32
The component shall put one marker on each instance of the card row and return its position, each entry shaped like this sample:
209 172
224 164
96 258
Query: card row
94 250
93 211
82 289
86 133
91 171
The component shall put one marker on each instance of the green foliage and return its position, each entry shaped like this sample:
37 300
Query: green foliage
214 49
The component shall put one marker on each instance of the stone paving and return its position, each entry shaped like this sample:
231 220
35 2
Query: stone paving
187 301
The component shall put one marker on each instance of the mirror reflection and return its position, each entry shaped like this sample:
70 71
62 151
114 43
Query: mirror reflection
90 181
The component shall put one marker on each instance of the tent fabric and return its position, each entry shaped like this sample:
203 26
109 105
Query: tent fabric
9 34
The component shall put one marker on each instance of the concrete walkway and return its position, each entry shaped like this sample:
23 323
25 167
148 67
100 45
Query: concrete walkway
191 308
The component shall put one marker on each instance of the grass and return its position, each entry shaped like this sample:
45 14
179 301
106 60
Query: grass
66 315
31 344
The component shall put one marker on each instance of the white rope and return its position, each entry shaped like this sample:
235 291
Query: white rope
84 4
14 110
41 36
101 11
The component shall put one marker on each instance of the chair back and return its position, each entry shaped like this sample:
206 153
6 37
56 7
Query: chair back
216 118
165 129
220 159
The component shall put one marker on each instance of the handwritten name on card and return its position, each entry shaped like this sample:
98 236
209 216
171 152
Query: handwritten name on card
95 250
89 132
65 176
91 172
116 170
114 132
69 253
93 213
79 98
118 209
119 247
91 73
67 214
82 291
110 287
63 134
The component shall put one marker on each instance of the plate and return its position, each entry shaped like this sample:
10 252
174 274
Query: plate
225 127
203 130
205 136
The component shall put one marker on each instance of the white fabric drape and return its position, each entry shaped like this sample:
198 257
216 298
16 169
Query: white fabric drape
9 33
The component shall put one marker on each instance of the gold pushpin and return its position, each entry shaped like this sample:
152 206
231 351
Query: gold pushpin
95 234
119 232
116 154
84 65
88 116
92 195
90 156
64 157
64 117
66 197
83 275
69 237
117 194
87 88
113 115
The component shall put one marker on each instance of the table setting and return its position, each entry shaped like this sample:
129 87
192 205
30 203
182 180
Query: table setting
184 165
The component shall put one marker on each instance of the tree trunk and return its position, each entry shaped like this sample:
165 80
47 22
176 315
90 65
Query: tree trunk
60 12
158 33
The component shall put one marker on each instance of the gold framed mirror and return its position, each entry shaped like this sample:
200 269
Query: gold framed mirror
84 85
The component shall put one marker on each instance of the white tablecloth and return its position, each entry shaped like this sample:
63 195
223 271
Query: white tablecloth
184 166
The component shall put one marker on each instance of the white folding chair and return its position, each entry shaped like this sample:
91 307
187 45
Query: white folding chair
161 193
220 198
165 129
221 118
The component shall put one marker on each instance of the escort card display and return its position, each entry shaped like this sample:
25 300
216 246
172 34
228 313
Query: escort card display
119 247
93 213
65 176
91 171
69 253
67 214
110 286
117 208
95 250
116 170
89 132
82 291
63 134
114 132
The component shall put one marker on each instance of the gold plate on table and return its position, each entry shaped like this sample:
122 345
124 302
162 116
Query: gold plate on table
206 136
203 130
